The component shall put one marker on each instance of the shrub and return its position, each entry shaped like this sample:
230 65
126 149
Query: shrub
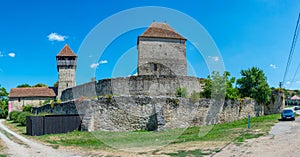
52 104
14 115
27 108
22 117
181 92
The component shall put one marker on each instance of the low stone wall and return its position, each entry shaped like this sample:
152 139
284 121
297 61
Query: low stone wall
126 113
149 85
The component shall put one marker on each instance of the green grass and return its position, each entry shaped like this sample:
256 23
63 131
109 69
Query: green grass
236 131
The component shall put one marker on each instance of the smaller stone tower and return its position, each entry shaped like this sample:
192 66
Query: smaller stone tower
161 51
66 67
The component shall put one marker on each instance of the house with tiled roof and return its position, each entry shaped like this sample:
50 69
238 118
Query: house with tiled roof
19 97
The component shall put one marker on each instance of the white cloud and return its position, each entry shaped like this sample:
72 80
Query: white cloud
12 55
298 82
273 66
56 37
1 55
95 65
103 62
288 83
214 58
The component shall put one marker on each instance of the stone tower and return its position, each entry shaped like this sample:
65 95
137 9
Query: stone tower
66 67
161 51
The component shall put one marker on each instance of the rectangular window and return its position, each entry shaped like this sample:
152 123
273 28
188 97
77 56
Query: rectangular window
19 99
155 67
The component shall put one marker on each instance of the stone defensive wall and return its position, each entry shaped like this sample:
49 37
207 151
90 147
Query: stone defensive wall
149 85
127 113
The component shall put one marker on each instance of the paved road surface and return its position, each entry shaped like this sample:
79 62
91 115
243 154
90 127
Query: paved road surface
283 140
28 148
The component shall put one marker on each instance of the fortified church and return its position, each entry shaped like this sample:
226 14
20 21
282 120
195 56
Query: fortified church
162 68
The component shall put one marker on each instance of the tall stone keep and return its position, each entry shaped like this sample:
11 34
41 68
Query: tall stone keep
161 51
66 66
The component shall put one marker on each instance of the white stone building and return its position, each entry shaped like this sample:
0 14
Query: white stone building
19 97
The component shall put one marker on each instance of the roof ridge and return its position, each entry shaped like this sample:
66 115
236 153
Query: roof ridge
66 51
161 30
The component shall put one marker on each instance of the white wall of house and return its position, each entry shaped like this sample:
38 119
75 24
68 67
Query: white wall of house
18 103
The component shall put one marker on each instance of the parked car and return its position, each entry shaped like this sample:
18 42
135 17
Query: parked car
288 113
296 108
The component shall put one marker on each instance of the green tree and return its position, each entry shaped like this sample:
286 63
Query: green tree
23 85
253 83
40 85
219 86
3 102
56 84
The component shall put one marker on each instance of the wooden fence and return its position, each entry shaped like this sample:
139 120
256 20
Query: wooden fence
52 124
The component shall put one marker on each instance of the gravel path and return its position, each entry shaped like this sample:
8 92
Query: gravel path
283 140
28 148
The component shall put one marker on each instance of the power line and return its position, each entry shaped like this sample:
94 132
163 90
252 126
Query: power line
295 73
291 50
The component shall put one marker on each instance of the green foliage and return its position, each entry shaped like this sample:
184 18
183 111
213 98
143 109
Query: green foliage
52 104
3 92
56 84
195 97
23 85
19 117
253 83
181 92
46 102
57 101
22 117
14 115
27 108
40 85
218 86
3 102
3 107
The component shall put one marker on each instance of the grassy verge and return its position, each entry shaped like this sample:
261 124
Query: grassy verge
2 149
230 132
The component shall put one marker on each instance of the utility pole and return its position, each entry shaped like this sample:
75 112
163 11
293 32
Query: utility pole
280 85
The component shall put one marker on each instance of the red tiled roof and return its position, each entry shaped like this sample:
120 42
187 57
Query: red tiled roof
161 30
295 97
31 92
66 51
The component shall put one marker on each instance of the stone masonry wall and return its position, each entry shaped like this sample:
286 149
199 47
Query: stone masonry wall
66 77
171 53
126 113
277 103
149 85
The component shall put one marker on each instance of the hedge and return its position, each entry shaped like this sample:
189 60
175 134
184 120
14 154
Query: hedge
19 117
22 117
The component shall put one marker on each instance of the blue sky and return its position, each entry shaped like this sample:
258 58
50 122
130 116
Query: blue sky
247 33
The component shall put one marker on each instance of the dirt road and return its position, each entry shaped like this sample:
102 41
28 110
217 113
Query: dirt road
18 146
283 140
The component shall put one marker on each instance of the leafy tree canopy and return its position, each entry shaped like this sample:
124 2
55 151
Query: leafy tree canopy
219 86
40 85
253 83
3 92
56 84
23 85
3 102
